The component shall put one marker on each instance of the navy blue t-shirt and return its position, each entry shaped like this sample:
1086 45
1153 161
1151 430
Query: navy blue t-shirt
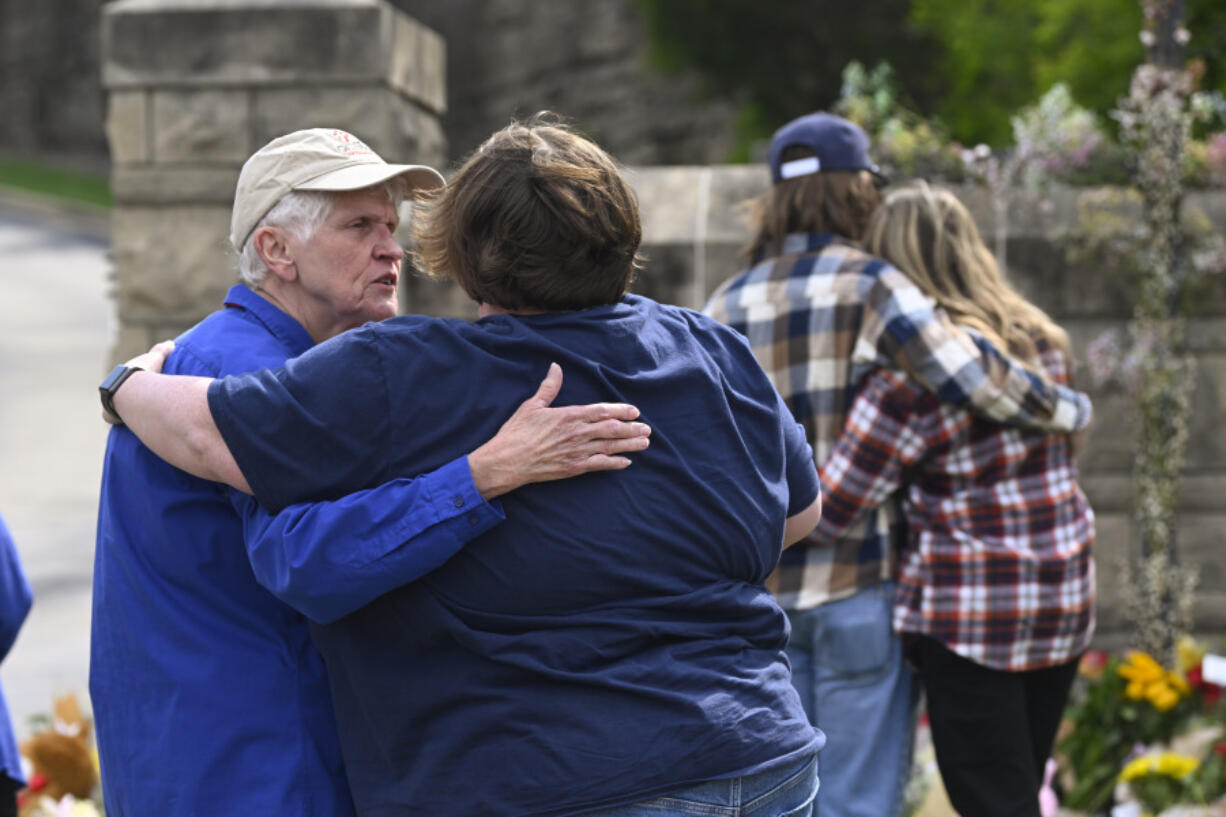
613 639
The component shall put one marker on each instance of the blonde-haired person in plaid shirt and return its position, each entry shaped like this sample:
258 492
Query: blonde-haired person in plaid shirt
996 580
820 314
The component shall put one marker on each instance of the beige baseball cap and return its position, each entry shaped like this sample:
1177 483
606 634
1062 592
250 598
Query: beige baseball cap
314 159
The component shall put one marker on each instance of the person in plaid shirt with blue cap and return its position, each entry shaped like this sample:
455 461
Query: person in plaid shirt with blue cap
996 580
821 313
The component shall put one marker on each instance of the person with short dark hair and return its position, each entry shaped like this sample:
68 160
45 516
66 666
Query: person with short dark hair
609 649
557 226
820 313
15 600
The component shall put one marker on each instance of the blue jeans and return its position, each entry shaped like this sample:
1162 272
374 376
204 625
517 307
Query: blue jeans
784 792
847 666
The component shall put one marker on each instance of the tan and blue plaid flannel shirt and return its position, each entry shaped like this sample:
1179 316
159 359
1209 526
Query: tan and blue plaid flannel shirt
819 317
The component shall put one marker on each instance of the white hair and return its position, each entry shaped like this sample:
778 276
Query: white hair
300 213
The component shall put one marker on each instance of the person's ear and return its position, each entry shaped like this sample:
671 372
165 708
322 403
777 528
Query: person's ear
272 245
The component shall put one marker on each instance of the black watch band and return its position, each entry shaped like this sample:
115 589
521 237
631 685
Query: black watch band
111 383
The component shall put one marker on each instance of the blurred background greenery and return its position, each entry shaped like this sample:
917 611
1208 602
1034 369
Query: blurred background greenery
970 64
85 187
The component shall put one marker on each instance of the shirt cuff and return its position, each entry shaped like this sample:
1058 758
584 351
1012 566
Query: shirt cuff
453 494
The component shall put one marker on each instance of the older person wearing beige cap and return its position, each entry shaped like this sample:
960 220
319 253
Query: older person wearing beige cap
208 694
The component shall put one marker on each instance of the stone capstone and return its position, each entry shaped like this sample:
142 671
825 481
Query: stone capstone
184 43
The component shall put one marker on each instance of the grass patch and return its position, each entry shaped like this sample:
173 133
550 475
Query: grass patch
85 188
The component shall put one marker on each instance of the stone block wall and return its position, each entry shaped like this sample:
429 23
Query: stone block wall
195 86
586 59
49 88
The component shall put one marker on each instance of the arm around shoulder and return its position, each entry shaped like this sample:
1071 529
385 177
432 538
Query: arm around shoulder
907 330
328 559
170 414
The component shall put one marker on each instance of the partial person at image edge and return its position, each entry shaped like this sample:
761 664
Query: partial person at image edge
15 600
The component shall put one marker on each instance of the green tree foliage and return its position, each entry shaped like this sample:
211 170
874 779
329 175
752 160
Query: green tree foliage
986 63
973 63
1206 19
785 57
997 55
1091 46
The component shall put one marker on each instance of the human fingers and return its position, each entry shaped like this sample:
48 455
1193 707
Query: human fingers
601 462
152 360
595 412
613 429
573 458
547 392
618 445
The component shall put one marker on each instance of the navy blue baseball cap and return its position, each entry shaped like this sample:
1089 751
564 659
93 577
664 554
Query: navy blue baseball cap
837 143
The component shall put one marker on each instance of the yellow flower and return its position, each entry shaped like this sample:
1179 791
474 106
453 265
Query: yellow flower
1173 765
1147 680
1166 763
1139 666
1138 767
1188 653
1161 696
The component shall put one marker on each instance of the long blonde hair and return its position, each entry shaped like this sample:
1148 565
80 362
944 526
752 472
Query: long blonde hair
931 237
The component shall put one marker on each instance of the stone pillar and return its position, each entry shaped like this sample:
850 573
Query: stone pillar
195 86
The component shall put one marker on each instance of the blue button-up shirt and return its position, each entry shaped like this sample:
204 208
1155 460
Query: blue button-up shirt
208 694
15 599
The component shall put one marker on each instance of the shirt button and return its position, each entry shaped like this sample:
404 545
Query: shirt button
458 501
473 520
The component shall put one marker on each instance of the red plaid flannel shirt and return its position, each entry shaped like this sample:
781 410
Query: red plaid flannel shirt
997 564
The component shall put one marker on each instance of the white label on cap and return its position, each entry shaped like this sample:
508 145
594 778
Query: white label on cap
1213 669
799 167
1130 809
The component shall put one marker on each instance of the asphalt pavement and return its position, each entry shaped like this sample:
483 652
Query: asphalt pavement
56 324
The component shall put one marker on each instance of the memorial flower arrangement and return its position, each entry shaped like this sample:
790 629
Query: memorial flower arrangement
1164 780
1159 781
1127 715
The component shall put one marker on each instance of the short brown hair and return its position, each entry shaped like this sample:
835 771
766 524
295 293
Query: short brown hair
833 201
537 218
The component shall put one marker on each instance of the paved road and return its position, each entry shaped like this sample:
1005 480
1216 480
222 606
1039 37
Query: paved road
55 328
